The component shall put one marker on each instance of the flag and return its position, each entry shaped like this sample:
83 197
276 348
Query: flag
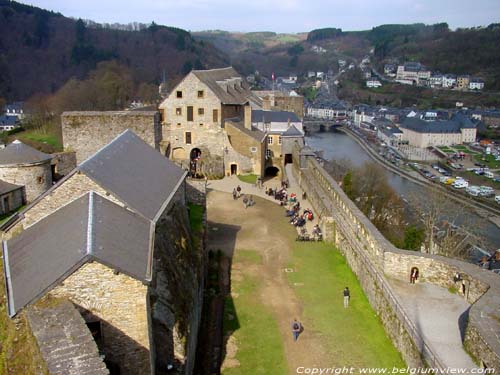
272 76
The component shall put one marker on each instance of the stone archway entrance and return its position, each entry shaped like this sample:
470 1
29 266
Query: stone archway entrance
234 169
194 158
272 171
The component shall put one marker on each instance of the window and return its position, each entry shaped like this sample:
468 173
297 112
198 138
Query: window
201 124
190 113
178 124
40 179
215 115
179 94
268 154
188 138
270 140
201 94
279 140
253 149
201 111
178 111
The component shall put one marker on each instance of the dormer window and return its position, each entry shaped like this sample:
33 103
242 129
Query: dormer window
179 94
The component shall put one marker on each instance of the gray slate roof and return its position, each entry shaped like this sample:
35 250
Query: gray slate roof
213 79
135 173
7 187
19 153
292 131
6 120
89 228
274 116
453 125
68 351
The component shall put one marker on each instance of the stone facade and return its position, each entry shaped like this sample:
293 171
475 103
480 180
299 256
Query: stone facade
63 163
244 151
36 177
119 303
279 101
11 200
373 258
88 132
424 140
195 120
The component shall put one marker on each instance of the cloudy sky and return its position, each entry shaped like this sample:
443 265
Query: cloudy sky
279 15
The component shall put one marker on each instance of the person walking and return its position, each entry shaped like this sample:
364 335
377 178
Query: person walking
238 191
347 296
234 194
296 328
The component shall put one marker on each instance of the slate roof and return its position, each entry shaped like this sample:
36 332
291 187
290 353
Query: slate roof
292 131
6 187
87 229
19 153
274 116
227 85
6 120
135 173
453 125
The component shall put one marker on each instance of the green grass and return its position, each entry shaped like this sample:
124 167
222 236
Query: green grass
354 336
196 220
248 178
5 217
42 137
260 349
488 160
446 149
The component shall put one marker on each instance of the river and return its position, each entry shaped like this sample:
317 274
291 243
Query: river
338 145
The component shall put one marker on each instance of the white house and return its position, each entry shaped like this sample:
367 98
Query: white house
449 81
373 82
476 84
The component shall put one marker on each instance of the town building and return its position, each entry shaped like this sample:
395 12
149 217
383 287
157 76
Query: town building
449 81
22 165
273 100
283 130
8 122
390 70
327 109
15 109
114 238
413 72
420 133
463 82
207 124
476 84
436 80
390 135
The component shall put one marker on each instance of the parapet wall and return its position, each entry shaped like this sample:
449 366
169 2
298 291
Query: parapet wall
373 258
88 132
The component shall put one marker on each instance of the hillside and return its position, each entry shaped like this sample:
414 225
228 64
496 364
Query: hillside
41 50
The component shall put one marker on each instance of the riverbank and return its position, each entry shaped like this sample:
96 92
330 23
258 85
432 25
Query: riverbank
480 208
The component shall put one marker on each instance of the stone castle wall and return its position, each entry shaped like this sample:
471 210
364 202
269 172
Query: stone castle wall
88 132
120 303
36 178
64 162
373 258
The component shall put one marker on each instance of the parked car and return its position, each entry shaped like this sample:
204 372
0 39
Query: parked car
497 199
486 191
489 174
449 181
473 190
460 184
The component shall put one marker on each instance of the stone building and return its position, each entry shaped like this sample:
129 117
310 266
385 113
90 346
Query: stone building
11 197
282 129
421 133
22 165
273 100
87 132
207 124
113 237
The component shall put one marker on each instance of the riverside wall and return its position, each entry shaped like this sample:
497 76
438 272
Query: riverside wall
372 258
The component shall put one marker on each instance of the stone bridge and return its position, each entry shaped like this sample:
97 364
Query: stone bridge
318 125
374 259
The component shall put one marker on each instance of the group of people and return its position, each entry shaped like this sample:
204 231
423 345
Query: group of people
247 200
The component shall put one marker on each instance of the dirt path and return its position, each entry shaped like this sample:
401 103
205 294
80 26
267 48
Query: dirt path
263 228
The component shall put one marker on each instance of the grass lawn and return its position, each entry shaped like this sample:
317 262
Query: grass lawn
355 336
42 137
248 178
488 160
5 217
445 149
256 331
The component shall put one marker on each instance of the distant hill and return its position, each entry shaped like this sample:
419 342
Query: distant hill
41 50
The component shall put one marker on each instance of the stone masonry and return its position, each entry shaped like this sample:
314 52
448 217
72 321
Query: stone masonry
35 177
87 132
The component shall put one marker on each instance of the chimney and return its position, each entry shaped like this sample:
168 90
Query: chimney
248 116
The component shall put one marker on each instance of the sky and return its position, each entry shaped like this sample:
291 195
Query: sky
283 16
